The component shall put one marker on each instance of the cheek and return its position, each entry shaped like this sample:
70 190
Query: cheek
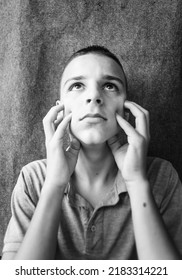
119 107
68 107
74 106
71 105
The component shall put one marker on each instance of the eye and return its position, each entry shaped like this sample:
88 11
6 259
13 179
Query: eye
76 86
111 87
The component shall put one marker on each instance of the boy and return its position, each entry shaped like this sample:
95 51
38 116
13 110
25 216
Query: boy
99 199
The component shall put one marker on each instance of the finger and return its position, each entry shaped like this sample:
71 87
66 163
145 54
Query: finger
53 112
74 146
127 103
147 115
48 121
114 143
59 118
126 126
59 134
141 118
74 142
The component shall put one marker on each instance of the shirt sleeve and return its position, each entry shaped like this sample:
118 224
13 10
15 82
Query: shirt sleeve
172 208
168 195
23 202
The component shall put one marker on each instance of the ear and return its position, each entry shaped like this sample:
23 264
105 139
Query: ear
58 102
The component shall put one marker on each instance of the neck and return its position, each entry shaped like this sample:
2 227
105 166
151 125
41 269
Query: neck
95 165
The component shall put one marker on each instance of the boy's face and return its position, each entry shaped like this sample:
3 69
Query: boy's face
93 90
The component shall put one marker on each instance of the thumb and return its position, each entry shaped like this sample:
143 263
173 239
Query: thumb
75 144
114 143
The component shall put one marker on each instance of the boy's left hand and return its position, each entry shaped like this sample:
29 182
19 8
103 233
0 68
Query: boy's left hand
131 158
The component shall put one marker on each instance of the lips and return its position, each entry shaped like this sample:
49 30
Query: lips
93 116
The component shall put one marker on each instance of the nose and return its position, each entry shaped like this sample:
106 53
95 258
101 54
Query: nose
94 96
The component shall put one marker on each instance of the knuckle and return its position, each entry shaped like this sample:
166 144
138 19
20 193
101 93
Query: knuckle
140 140
45 119
43 122
46 144
142 115
147 114
53 108
49 114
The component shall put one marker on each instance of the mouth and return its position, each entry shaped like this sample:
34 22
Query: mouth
93 116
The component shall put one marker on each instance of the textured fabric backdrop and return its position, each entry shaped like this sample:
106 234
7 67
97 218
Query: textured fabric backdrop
36 38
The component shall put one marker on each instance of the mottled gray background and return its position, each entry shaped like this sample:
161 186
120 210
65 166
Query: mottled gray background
36 38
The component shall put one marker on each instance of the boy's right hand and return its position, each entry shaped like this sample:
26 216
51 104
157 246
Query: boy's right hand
60 163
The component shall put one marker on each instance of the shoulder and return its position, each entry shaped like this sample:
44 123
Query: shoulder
35 168
163 179
31 179
161 169
155 164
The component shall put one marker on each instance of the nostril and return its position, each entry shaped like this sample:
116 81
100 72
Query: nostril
98 101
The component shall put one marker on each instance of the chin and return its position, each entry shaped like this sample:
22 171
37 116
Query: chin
94 135
91 141
92 138
89 137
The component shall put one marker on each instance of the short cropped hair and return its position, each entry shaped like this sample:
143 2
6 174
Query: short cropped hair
95 49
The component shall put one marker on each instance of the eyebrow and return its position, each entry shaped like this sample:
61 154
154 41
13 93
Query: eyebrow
111 78
75 78
106 77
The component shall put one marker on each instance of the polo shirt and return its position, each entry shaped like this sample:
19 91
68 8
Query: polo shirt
105 232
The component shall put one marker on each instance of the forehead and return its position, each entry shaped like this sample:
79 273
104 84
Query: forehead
92 65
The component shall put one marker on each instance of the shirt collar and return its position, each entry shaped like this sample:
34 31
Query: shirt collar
120 183
118 187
